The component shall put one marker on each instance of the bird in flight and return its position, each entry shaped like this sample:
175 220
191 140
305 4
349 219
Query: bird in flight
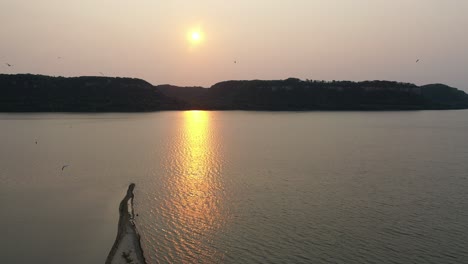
64 166
417 60
8 64
235 62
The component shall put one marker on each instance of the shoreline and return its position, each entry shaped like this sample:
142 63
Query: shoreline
127 245
94 94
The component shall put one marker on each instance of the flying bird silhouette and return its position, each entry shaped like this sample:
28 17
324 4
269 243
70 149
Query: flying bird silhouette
8 64
64 166
417 60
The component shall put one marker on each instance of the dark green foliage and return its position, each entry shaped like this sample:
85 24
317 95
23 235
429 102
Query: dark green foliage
37 93
294 94
440 96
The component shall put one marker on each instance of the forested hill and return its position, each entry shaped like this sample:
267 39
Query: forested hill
38 93
295 94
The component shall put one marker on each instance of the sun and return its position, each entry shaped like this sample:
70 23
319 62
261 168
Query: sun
195 37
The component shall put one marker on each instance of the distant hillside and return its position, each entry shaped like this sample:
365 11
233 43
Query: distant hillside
193 96
38 93
294 94
441 96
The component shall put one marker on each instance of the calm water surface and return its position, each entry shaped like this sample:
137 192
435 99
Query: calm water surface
237 187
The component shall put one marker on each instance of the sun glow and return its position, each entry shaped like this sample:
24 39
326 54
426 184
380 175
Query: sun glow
195 36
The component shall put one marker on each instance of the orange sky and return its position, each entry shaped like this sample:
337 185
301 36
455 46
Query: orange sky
269 39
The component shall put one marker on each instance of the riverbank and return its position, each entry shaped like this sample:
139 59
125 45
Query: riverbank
127 248
90 94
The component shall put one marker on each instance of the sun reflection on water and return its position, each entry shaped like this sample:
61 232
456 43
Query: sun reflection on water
195 189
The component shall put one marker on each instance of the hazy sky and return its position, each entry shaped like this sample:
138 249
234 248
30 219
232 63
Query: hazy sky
269 39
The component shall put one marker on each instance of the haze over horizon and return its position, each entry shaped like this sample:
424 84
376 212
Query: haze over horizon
199 43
